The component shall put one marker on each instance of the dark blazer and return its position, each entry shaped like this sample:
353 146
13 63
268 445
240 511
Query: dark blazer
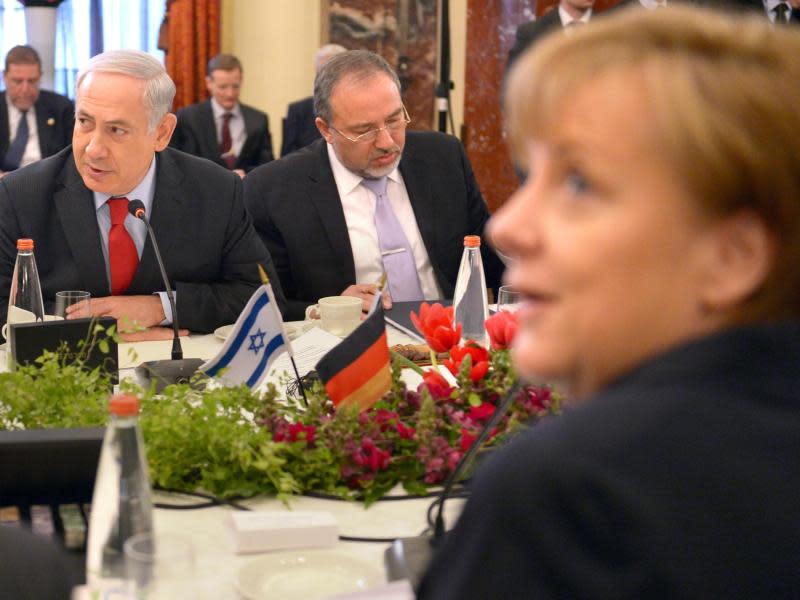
297 212
55 120
205 236
196 134
529 33
680 480
299 129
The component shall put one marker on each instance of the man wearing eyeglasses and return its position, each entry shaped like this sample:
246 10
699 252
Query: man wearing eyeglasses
368 198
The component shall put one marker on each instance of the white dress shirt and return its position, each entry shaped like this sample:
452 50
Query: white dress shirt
236 125
769 6
359 214
32 151
567 20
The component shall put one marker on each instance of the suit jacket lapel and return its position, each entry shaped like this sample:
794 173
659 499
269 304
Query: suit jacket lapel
209 132
75 206
164 218
43 130
425 208
324 196
4 127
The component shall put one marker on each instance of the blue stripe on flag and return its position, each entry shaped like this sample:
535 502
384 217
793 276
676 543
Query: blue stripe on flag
240 337
273 345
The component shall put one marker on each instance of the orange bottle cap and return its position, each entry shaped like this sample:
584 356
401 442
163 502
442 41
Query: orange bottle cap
124 405
472 241
25 244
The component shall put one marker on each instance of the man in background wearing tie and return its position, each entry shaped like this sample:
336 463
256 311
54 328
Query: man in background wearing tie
33 123
223 129
568 13
74 205
367 198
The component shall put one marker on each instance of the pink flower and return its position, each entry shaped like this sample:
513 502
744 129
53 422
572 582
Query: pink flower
435 322
502 327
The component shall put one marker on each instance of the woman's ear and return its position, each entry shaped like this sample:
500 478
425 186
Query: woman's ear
741 258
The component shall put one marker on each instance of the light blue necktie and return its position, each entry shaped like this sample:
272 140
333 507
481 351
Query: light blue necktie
398 259
17 148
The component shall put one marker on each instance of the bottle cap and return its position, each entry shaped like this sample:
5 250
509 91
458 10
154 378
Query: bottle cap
472 241
25 244
124 405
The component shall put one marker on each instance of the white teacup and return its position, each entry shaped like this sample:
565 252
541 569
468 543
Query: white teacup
24 318
339 315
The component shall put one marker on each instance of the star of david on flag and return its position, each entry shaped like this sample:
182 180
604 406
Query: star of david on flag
257 339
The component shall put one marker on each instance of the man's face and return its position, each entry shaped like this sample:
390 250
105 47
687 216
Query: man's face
359 106
22 84
112 143
225 86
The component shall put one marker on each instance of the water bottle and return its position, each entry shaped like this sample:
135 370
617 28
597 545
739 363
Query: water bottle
470 301
25 300
121 505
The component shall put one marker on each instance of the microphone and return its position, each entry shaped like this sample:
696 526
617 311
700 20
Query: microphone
408 558
177 370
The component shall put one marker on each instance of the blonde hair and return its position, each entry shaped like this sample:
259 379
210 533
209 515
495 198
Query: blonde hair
725 105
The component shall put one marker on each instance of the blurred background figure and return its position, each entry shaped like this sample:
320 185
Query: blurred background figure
222 129
299 129
656 243
567 15
34 123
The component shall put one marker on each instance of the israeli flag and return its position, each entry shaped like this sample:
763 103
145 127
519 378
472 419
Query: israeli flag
257 339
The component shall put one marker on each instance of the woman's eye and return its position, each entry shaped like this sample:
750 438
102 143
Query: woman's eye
577 183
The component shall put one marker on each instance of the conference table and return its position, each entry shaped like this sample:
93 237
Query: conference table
313 573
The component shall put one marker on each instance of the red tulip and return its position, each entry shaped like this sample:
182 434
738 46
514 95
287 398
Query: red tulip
502 327
435 322
479 356
437 384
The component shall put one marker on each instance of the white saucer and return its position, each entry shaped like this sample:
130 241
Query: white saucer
293 330
223 332
305 574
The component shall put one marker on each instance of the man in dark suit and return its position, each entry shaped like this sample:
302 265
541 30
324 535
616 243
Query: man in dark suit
299 129
567 14
223 129
786 12
74 206
367 198
33 123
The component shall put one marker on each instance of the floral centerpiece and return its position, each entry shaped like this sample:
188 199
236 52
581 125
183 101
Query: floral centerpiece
235 442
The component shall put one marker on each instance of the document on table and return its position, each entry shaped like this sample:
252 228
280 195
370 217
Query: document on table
308 349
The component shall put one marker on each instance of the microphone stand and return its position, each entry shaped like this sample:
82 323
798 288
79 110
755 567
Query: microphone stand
179 369
408 558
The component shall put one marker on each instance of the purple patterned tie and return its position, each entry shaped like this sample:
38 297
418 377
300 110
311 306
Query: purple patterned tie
398 259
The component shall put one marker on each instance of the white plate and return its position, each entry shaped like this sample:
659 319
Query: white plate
293 330
307 575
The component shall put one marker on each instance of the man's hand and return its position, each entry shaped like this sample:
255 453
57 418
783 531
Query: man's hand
131 312
153 333
367 291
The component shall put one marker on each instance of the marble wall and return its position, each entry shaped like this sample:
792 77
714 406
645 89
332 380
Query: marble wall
403 32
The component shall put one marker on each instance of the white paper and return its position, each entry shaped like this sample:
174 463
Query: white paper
308 349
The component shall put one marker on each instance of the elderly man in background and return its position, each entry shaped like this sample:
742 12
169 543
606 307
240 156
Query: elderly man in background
368 198
222 129
34 123
75 207
299 127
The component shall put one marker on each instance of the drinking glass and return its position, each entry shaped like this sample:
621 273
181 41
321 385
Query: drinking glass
508 298
68 298
160 566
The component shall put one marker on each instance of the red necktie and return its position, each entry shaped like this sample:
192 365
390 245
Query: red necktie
227 141
122 256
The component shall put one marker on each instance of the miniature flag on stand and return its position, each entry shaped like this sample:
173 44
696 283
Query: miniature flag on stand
256 341
357 372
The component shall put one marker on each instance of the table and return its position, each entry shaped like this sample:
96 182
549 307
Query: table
217 565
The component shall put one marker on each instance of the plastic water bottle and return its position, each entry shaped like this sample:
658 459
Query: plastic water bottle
470 301
25 300
121 505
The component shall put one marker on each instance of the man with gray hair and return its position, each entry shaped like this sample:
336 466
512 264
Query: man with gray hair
299 129
75 207
368 198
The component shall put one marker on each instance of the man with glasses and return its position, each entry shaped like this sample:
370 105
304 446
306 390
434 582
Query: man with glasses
370 197
34 123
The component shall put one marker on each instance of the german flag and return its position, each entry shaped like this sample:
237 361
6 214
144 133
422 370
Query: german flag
357 372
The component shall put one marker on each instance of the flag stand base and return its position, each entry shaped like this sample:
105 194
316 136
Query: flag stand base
166 372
